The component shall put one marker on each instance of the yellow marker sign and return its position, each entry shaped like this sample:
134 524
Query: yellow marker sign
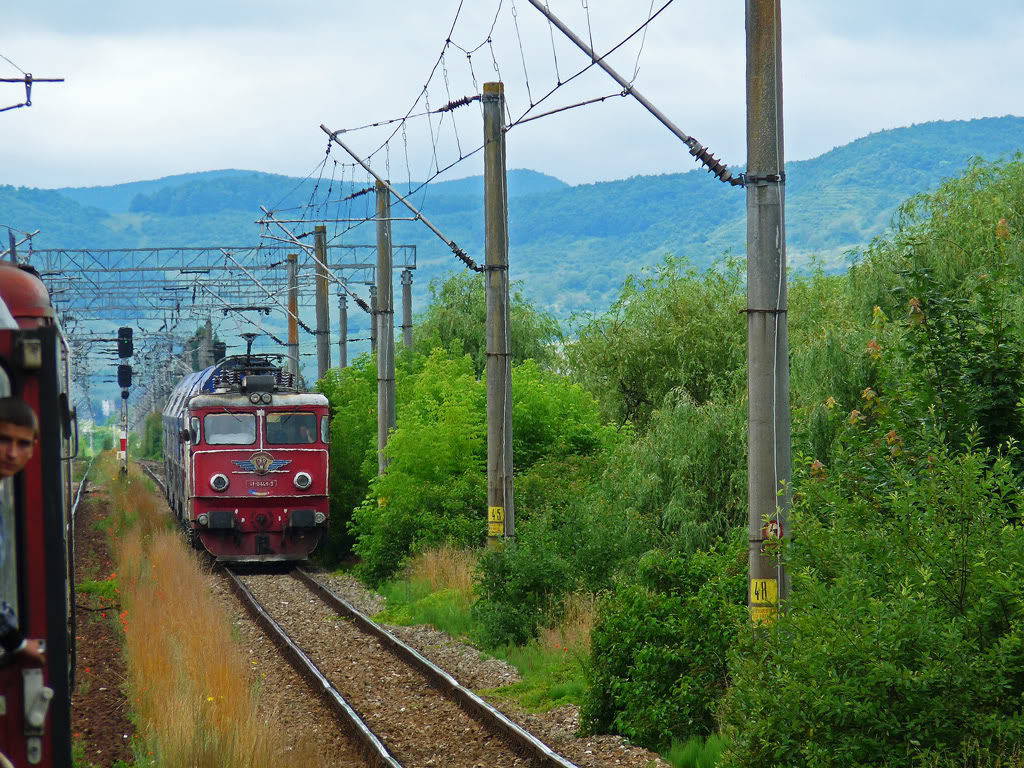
762 614
764 591
495 521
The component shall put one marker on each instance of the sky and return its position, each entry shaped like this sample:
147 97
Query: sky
153 90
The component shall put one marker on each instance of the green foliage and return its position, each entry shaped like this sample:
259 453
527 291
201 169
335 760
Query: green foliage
550 677
352 394
105 441
435 489
659 646
411 602
686 476
152 446
553 417
106 589
571 543
906 615
696 752
458 311
671 329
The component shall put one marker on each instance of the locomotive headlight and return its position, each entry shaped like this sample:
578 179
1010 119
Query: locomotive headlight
203 519
319 518
254 398
265 398
303 481
219 482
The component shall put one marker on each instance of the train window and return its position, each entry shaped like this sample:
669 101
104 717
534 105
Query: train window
323 429
230 428
291 428
8 551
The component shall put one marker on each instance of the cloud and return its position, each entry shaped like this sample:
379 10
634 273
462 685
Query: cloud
155 89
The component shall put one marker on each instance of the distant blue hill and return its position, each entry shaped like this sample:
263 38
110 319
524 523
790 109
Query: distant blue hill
571 246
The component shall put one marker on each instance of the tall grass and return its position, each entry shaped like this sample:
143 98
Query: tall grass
188 683
696 752
572 632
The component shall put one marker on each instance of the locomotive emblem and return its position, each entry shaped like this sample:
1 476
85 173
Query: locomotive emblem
261 463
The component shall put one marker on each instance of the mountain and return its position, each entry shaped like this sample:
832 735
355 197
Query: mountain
571 246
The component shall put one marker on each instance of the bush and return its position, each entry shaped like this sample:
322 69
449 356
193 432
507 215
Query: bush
687 475
672 329
904 637
659 646
572 544
435 489
352 394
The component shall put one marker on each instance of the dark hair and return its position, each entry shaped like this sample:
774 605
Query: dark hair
16 411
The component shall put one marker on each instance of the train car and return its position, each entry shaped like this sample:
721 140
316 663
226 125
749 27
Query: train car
36 533
245 461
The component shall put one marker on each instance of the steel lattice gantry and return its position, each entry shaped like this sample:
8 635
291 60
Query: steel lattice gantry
163 291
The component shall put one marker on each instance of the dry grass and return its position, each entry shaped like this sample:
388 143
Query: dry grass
573 631
188 682
445 568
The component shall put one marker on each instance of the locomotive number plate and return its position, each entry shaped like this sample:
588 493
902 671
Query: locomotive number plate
263 483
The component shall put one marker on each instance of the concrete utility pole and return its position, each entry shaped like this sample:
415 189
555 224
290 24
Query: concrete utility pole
407 308
373 319
500 502
293 313
342 330
385 323
769 447
323 319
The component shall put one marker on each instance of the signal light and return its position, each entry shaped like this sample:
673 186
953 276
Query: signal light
124 376
124 342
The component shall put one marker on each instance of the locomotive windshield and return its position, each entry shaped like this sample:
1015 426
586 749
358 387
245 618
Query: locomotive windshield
230 428
291 428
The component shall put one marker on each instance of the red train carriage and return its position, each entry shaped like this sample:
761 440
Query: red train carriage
246 461
36 568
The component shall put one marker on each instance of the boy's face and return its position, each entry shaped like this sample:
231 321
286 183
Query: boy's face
16 446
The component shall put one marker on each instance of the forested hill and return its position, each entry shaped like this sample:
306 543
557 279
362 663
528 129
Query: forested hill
570 245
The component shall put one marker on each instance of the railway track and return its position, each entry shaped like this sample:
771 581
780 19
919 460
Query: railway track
397 707
405 710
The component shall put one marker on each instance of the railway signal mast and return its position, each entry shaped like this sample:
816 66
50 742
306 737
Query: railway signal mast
124 380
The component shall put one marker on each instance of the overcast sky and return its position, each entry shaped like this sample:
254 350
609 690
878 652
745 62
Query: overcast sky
159 89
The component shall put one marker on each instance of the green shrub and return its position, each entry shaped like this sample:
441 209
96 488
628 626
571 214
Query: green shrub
659 646
352 394
904 637
575 545
670 329
435 489
687 475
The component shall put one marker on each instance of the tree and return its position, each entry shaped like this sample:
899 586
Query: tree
458 310
670 329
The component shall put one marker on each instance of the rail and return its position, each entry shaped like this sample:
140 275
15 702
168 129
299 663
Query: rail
81 487
464 697
372 746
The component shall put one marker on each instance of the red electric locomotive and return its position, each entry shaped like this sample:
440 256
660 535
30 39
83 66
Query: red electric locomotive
36 532
245 461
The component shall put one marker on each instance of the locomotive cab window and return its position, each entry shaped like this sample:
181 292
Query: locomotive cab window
8 550
291 428
230 428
